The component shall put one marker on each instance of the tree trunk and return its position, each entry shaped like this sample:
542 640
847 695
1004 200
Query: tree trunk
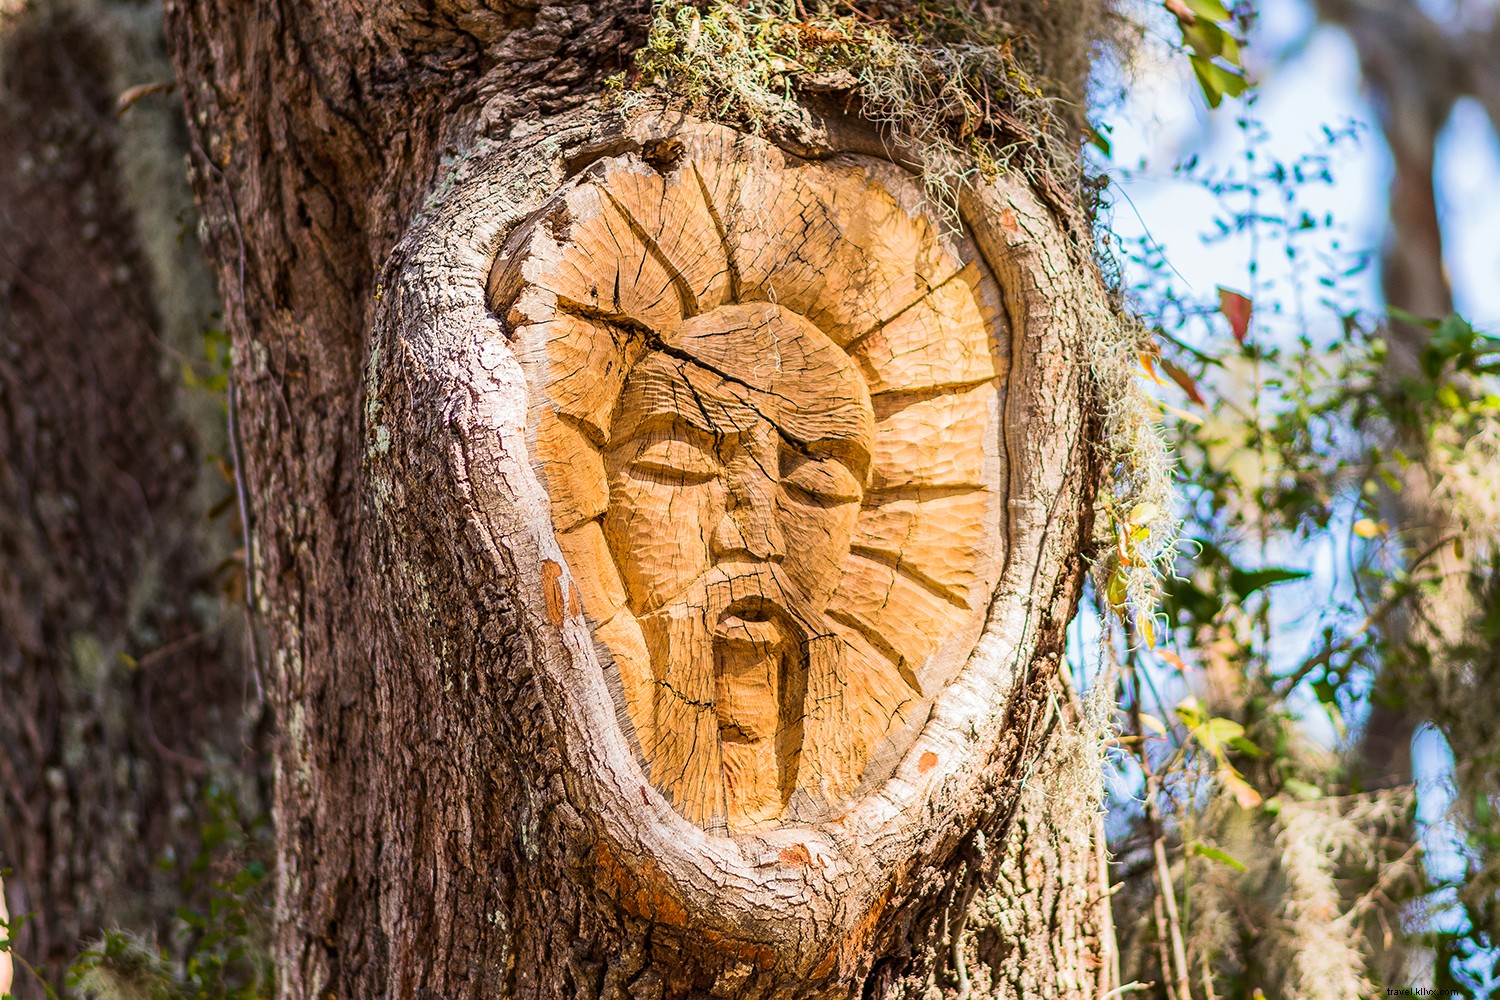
121 684
667 533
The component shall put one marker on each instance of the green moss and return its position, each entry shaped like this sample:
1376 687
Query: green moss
958 89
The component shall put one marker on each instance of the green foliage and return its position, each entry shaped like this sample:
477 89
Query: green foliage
221 941
1290 877
1207 34
212 372
10 929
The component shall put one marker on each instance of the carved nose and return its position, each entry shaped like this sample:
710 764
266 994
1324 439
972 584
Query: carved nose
749 526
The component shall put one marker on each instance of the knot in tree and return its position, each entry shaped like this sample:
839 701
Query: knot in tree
734 501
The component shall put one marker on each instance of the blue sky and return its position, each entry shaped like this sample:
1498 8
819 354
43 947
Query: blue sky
1309 80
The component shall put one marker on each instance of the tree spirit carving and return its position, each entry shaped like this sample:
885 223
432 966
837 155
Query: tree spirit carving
765 397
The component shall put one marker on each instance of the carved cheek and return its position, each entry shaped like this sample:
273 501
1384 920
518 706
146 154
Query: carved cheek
658 533
817 540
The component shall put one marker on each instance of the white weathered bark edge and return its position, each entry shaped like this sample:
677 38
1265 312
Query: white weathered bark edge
433 322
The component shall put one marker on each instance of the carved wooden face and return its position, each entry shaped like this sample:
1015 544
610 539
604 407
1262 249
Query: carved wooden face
766 398
746 442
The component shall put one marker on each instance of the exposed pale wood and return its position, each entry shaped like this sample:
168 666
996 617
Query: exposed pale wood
933 438
833 245
583 362
625 646
573 470
940 538
601 589
945 338
754 299
460 811
604 265
895 610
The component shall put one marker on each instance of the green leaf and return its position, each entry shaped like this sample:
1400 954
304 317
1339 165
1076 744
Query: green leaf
1211 9
1199 849
1410 318
1190 712
1205 38
1231 51
1185 600
1245 746
1216 81
1245 582
1097 139
1302 789
1214 733
1455 333
1223 729
1117 590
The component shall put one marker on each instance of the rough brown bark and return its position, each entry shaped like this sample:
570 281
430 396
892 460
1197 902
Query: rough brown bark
121 685
456 809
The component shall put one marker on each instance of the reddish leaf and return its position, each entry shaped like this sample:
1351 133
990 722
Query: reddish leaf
1243 793
1173 659
1184 381
1236 309
1180 10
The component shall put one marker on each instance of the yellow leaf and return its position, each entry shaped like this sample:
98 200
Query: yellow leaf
1154 724
1147 627
1117 590
1213 733
1366 528
1191 418
1247 469
1143 513
1190 711
1150 369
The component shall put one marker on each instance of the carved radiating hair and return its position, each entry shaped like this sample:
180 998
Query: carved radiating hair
737 284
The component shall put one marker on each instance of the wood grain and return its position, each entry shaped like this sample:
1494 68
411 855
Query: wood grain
729 352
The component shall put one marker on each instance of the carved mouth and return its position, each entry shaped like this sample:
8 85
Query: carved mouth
752 624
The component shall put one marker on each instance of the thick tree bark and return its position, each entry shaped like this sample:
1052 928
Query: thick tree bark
121 685
461 810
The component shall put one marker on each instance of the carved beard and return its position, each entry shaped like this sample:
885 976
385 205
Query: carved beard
748 676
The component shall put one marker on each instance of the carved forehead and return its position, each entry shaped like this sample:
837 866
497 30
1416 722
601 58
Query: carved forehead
726 370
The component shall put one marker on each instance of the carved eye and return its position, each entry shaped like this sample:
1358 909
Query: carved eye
823 480
676 458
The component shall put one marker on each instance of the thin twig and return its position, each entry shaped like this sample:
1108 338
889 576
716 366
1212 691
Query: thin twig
1169 926
958 957
1169 903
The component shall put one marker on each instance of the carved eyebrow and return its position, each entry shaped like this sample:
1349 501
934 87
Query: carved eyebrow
663 418
663 392
848 449
691 431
